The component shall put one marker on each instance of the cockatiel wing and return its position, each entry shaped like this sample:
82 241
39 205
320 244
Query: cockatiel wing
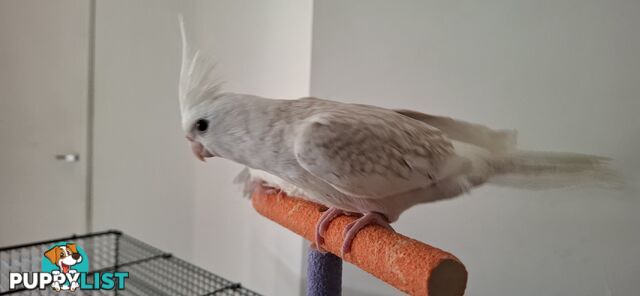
371 154
496 141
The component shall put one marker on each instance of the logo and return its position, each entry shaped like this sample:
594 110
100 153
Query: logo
65 267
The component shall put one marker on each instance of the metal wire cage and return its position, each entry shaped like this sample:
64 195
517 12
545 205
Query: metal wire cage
151 271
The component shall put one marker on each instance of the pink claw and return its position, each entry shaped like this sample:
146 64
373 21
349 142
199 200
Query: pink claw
354 227
323 224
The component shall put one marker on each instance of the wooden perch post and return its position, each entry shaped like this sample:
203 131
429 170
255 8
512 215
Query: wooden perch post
407 264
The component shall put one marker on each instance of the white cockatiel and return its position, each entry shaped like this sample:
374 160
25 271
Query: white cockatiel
360 159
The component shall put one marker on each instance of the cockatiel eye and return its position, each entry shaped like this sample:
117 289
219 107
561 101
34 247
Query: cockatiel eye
202 125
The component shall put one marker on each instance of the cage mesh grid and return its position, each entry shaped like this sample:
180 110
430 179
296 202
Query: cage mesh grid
151 271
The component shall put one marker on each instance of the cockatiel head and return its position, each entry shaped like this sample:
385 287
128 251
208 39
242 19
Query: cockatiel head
197 89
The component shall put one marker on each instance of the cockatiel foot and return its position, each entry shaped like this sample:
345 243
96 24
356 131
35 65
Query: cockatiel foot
354 227
350 231
322 225
270 190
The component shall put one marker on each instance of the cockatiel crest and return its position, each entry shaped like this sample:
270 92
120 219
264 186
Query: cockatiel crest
197 82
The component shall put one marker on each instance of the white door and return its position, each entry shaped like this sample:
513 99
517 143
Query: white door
44 72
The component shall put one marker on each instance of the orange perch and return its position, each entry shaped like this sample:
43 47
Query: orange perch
407 264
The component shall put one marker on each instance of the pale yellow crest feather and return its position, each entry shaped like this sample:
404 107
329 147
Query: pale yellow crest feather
197 81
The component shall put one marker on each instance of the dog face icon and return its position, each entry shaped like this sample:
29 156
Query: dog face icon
64 257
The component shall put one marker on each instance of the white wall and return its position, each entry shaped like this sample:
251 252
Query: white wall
147 183
143 171
565 74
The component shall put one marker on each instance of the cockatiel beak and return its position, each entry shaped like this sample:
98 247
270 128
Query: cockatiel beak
198 149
